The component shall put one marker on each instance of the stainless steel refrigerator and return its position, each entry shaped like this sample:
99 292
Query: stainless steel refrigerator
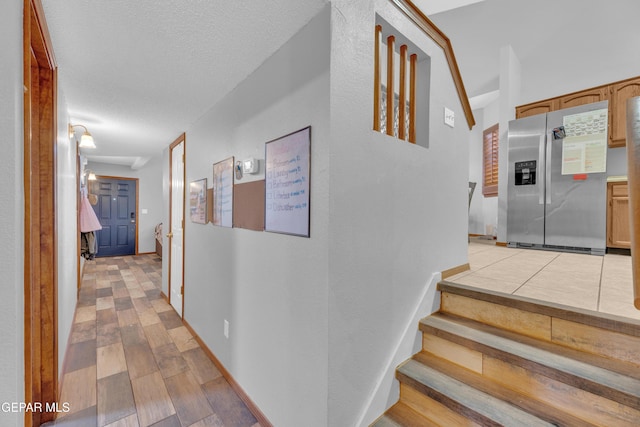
557 182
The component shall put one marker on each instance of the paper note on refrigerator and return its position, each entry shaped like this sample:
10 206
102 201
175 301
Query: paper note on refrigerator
584 148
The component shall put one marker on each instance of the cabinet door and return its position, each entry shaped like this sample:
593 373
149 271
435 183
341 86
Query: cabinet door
541 107
620 92
585 97
618 219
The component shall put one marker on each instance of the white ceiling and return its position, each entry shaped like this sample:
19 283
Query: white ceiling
138 73
560 43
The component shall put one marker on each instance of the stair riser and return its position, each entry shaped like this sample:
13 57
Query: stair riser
582 404
590 339
434 411
573 400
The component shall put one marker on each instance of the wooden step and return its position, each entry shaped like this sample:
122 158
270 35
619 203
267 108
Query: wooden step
544 371
401 415
597 333
465 401
524 402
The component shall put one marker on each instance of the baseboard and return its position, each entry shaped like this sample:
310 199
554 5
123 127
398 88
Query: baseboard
504 244
455 270
164 297
260 417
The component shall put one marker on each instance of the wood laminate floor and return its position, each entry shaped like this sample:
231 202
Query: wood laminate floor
131 362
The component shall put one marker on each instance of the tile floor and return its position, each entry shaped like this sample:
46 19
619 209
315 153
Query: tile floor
590 282
131 362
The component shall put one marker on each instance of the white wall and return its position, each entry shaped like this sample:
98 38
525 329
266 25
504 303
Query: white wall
484 210
11 211
317 324
149 197
272 288
67 223
398 214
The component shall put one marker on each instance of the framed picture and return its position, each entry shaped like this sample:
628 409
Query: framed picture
223 193
198 201
287 184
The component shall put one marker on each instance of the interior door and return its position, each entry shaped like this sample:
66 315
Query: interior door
116 210
176 226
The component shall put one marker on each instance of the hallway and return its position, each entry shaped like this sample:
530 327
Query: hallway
132 362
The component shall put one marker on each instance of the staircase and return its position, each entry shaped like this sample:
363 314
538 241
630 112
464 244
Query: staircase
493 359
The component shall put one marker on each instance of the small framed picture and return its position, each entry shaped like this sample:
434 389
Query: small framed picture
198 201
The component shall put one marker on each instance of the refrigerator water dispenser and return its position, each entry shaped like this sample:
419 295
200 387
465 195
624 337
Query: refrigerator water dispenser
525 172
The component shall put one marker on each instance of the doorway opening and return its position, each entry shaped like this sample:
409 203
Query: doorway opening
117 209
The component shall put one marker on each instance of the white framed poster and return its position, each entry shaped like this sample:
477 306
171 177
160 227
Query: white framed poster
223 193
287 184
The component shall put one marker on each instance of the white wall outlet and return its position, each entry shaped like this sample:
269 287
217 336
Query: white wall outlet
449 117
226 328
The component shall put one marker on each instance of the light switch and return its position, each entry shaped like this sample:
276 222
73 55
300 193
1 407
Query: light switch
449 117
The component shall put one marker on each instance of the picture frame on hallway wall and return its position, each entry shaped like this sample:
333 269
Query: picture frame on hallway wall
223 193
288 184
198 201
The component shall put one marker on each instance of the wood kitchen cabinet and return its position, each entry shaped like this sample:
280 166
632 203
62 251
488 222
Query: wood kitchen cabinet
618 220
584 97
620 92
540 107
616 93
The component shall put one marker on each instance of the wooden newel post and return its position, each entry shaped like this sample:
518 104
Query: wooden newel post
633 174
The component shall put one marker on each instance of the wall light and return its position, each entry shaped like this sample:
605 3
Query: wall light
86 140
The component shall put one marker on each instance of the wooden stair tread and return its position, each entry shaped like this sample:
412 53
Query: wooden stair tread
477 405
477 381
400 415
606 321
510 348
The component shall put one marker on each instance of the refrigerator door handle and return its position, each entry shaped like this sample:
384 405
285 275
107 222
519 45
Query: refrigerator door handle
547 166
541 167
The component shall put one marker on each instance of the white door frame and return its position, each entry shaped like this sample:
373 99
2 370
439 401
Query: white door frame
175 236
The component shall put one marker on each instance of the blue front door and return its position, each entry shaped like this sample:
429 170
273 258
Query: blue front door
116 210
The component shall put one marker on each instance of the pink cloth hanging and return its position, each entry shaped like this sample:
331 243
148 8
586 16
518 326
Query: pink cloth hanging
88 219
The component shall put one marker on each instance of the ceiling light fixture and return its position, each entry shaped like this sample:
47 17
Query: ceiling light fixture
86 140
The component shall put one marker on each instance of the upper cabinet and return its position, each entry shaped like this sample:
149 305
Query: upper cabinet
540 107
585 97
616 93
620 92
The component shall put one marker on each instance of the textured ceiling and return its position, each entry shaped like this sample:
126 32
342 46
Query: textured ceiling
137 73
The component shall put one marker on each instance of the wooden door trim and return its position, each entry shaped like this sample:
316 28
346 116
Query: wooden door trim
40 233
181 139
137 180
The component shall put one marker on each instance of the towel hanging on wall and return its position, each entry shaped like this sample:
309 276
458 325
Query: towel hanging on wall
88 219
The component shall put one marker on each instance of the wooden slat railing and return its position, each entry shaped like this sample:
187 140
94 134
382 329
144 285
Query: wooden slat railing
376 80
393 81
633 179
390 87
